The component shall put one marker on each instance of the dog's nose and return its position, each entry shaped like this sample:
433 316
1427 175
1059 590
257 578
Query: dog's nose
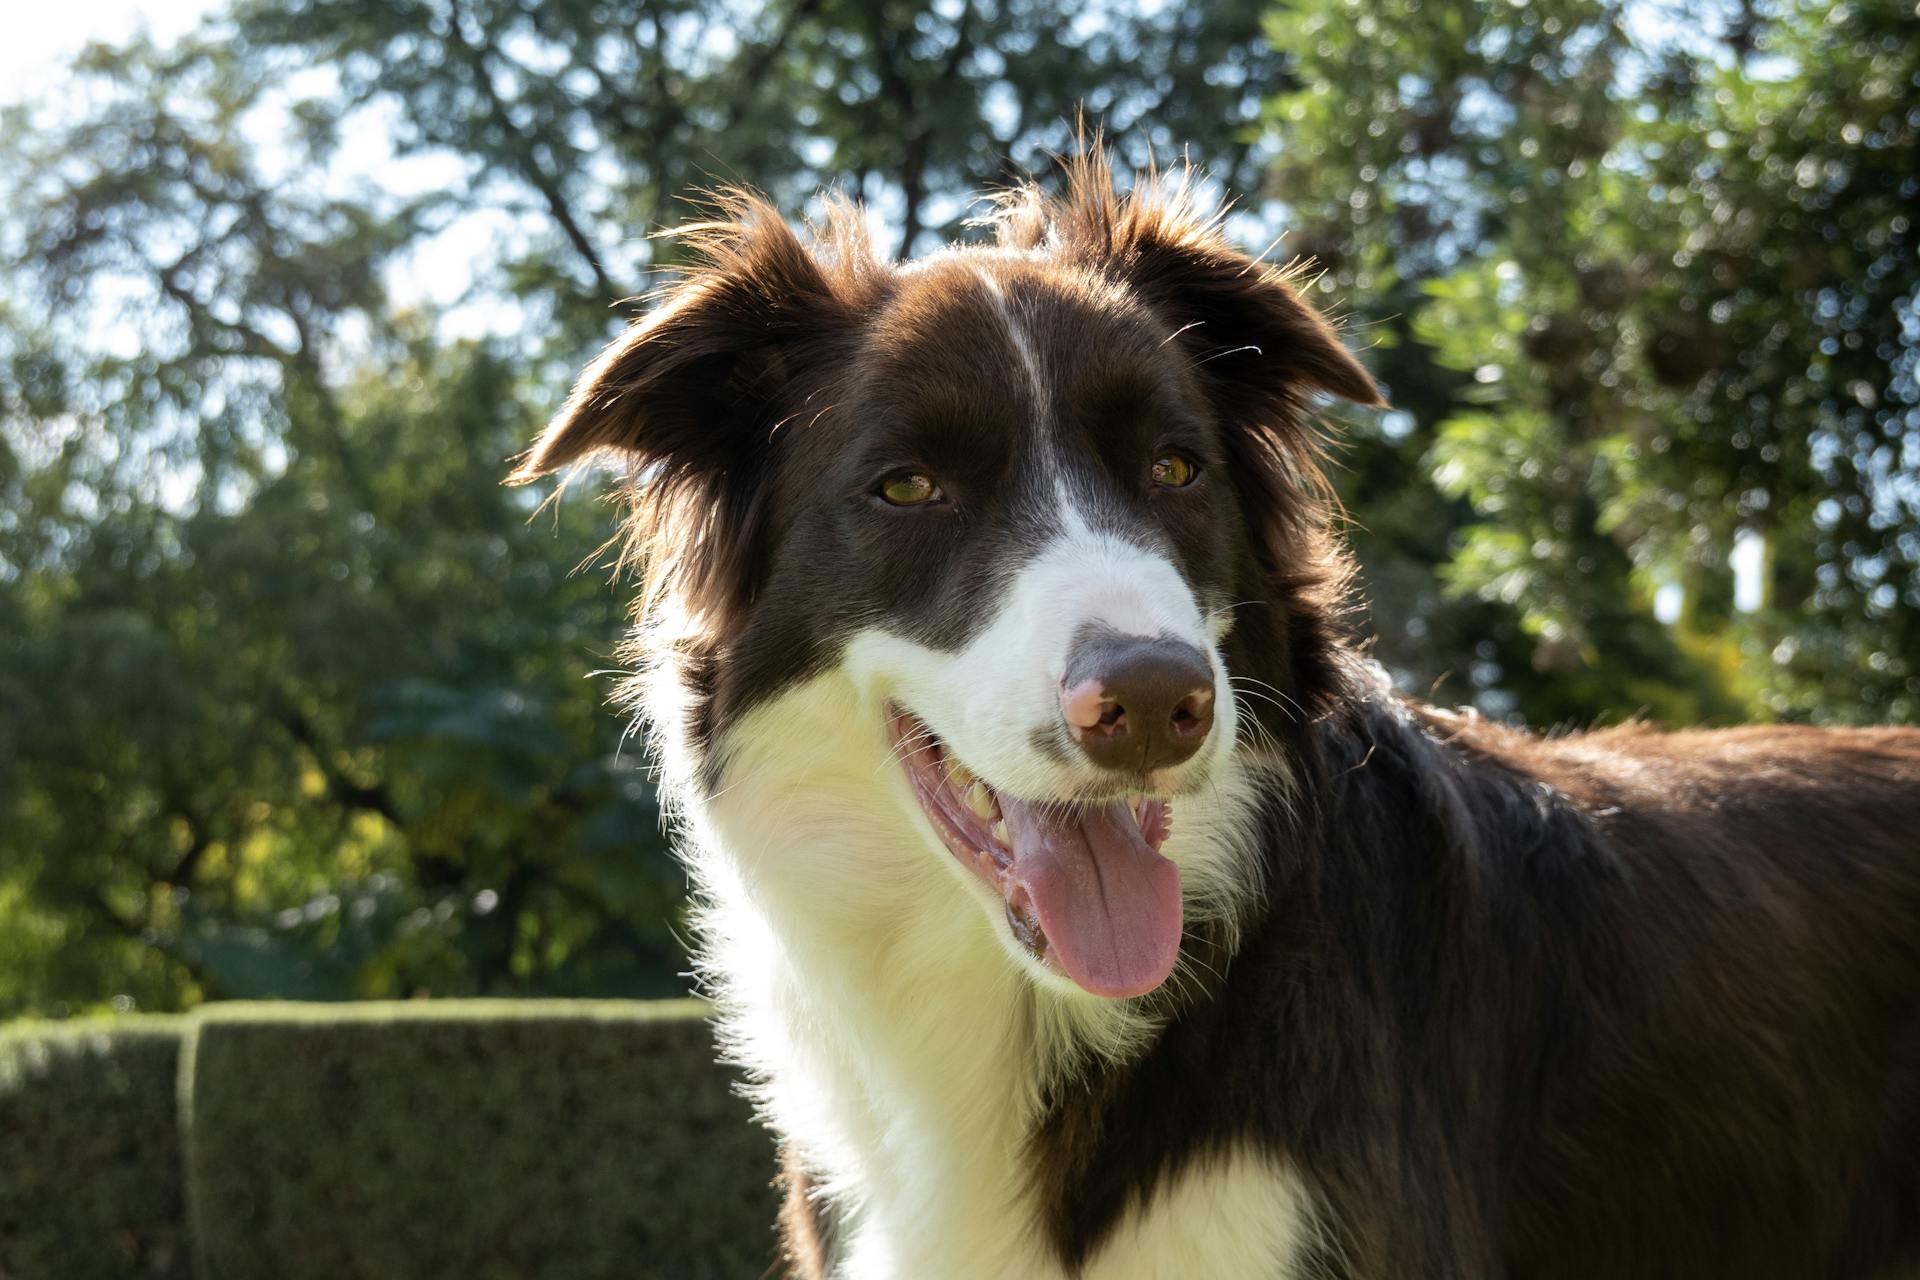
1137 704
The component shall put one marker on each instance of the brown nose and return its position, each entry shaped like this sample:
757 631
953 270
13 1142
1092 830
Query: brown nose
1137 704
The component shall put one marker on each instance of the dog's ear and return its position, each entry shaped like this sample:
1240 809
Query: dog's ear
1244 322
690 386
692 395
1246 327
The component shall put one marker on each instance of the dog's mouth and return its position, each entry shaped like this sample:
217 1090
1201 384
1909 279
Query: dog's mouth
1086 889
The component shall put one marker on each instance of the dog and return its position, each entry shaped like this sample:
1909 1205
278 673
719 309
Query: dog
1084 903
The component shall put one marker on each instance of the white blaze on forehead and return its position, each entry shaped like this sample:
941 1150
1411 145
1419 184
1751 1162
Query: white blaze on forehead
1019 340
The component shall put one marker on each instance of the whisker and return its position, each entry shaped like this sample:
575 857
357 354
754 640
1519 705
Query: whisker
1290 712
1276 690
1182 329
1228 351
906 746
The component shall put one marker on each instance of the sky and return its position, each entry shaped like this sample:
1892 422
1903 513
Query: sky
43 36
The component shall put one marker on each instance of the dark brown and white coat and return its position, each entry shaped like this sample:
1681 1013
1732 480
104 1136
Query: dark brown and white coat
991 644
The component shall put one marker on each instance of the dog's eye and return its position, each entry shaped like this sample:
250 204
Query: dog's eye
1173 471
909 489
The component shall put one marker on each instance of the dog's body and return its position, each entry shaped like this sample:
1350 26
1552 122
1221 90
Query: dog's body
1086 908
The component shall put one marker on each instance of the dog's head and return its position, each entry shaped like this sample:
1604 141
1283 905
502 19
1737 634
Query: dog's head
1038 504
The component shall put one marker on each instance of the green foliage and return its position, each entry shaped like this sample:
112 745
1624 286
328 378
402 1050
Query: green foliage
467 1140
1785 327
333 742
90 1157
291 692
1641 297
912 107
471 1142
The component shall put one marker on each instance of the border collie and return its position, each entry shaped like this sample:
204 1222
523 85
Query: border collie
1084 905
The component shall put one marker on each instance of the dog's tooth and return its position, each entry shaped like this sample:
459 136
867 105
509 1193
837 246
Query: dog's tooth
961 776
980 800
1001 834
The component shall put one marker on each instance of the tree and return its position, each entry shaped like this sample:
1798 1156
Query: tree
1781 330
291 700
1637 299
291 695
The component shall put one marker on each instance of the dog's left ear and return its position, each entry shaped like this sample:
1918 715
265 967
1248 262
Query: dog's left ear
1244 322
1246 327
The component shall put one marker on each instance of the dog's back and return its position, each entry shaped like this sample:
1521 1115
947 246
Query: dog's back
1753 1064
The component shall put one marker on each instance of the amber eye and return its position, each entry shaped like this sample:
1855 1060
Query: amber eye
1173 471
909 489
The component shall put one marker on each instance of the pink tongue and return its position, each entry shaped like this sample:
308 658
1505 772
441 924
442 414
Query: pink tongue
1109 905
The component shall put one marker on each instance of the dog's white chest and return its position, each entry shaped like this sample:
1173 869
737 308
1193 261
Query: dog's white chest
1239 1218
902 1051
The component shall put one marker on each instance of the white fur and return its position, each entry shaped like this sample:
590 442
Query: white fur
898 1036
1239 1218
1022 344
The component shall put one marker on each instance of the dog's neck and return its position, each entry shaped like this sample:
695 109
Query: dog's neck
895 1042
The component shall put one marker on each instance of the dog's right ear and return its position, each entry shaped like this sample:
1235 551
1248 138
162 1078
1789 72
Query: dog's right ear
695 386
692 395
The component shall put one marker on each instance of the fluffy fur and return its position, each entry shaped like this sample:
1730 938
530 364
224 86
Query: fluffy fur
1452 1000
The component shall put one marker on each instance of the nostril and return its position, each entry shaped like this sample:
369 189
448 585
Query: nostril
1193 713
1085 705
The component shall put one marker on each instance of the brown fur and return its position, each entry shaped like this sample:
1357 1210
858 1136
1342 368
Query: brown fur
1613 1004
